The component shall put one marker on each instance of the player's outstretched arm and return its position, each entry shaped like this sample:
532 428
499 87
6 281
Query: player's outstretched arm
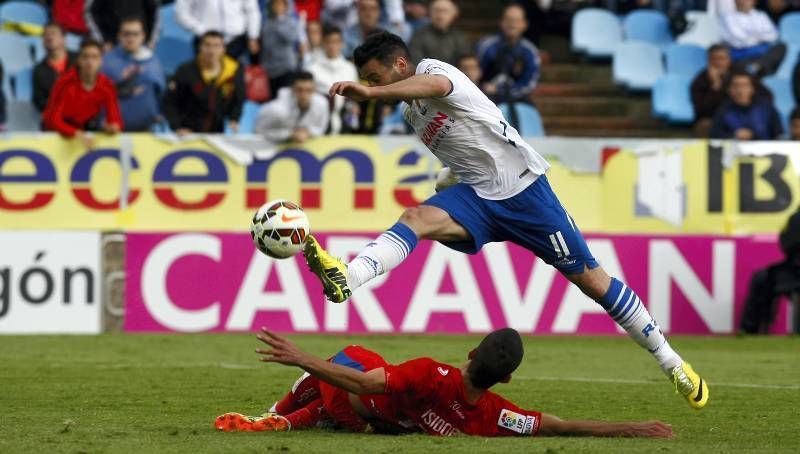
283 351
415 87
554 426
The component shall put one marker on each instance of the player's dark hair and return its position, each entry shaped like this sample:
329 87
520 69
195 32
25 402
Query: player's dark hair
302 75
331 30
211 34
498 355
718 47
90 42
382 46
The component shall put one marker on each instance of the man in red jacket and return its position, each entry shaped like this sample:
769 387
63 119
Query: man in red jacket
83 99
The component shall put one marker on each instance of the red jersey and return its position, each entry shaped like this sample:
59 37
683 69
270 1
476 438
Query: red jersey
71 106
431 395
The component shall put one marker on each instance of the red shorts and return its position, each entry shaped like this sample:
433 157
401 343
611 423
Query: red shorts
337 401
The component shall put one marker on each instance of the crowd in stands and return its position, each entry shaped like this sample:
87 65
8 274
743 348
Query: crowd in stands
270 51
281 54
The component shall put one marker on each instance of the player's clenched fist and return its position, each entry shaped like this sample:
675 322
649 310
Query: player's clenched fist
351 90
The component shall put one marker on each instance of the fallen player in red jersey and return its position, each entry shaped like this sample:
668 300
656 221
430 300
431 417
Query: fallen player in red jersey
359 391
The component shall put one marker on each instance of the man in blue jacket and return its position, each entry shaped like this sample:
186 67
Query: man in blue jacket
138 76
745 116
510 63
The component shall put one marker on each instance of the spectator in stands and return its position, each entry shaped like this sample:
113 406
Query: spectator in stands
314 49
3 116
279 45
710 87
369 15
416 14
510 63
239 22
745 116
83 99
439 39
331 68
344 14
469 65
753 39
206 92
297 114
776 9
103 17
138 76
767 284
54 64
70 15
794 124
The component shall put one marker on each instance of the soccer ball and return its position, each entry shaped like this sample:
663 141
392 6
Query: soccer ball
279 229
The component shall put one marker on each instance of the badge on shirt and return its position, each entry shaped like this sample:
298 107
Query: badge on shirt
516 422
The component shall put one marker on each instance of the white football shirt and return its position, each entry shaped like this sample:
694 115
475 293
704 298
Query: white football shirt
468 133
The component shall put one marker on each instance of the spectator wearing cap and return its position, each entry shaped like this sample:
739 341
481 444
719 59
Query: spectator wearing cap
138 76
279 45
207 91
297 114
55 63
753 39
238 21
330 68
416 14
746 116
104 17
439 39
510 63
83 99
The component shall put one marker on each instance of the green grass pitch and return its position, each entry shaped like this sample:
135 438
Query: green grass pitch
148 393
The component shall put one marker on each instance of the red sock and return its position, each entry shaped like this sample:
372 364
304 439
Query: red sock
304 391
307 416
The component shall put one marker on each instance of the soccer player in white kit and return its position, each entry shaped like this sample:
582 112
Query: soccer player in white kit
502 195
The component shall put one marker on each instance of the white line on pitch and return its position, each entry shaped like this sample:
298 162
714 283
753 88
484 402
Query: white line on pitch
650 382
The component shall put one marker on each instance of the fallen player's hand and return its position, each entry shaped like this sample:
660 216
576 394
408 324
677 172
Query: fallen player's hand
283 351
651 429
351 90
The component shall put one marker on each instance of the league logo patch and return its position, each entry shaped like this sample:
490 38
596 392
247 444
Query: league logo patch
516 422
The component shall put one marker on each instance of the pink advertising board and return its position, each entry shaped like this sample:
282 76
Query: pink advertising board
195 282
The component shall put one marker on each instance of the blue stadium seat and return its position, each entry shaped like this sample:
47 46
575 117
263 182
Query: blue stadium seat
173 52
782 94
596 32
15 52
786 70
22 116
685 59
789 28
530 122
637 65
647 25
672 100
23 12
170 26
703 29
22 82
247 122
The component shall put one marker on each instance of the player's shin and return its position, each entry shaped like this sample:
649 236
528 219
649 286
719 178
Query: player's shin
626 308
381 255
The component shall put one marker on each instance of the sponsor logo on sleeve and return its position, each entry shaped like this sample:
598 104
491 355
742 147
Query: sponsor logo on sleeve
516 422
443 371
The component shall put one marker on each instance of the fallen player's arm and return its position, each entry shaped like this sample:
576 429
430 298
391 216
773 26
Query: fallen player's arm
285 352
419 86
553 425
